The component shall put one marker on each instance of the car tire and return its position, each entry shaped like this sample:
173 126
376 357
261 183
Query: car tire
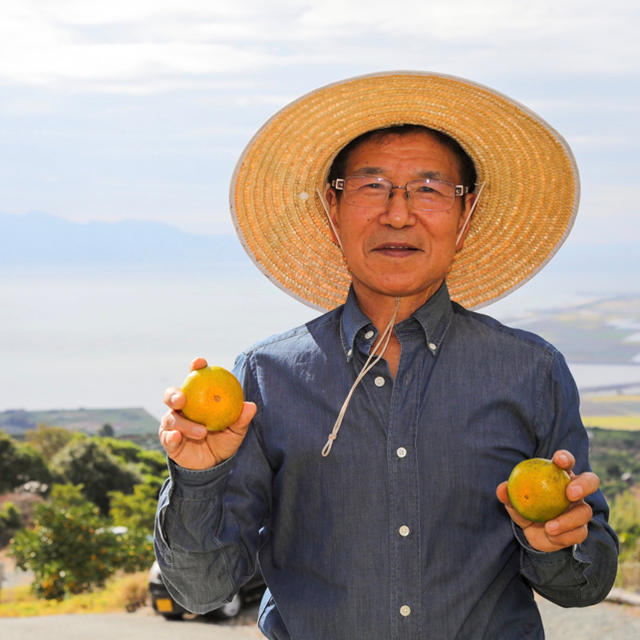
230 609
172 616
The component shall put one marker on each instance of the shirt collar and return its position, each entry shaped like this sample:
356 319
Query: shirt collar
434 316
353 320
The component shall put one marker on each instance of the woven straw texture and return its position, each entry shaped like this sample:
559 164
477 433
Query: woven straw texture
525 212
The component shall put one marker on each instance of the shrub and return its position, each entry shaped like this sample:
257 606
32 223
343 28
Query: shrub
85 461
20 463
10 521
70 549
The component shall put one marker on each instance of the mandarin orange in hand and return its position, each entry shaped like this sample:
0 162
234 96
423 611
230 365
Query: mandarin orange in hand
213 396
537 489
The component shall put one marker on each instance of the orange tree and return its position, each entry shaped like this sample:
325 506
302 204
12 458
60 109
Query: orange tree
70 549
135 513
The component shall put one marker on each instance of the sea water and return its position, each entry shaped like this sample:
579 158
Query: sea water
105 337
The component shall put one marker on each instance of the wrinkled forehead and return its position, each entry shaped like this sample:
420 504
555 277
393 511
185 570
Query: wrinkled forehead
421 151
432 150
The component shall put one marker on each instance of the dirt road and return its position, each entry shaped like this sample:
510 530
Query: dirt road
605 621
142 625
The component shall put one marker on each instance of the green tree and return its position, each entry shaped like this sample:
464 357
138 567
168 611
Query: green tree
71 547
625 520
87 462
20 463
136 512
10 521
48 440
106 431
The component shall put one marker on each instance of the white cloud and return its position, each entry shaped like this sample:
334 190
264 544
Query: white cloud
145 45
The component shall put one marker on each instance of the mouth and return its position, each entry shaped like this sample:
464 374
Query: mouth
396 249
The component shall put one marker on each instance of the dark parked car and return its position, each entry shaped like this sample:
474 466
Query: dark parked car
165 605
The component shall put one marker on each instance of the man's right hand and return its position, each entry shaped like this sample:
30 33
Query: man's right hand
189 444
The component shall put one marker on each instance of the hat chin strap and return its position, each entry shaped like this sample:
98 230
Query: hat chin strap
468 219
374 355
381 345
461 233
325 206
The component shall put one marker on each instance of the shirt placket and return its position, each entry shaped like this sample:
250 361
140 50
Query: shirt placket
404 503
398 400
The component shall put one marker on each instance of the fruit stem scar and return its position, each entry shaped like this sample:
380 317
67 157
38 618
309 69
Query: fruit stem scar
217 398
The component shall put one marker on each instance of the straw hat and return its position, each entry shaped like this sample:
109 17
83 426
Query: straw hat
524 214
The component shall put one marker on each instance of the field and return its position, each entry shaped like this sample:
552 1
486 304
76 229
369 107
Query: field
618 412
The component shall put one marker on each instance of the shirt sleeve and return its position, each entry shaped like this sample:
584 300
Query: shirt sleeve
582 575
208 523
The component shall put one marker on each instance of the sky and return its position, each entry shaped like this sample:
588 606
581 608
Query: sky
140 109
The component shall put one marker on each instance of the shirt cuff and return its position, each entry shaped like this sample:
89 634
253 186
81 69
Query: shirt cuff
197 484
544 556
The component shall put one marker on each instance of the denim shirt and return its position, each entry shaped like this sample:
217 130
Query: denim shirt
398 533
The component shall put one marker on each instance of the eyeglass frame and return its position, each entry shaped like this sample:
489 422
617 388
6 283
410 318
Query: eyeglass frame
459 189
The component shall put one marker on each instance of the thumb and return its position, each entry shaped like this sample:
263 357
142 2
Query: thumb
240 426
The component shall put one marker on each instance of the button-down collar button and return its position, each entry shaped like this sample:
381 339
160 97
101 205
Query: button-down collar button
368 335
405 610
379 381
404 531
432 347
401 452
350 352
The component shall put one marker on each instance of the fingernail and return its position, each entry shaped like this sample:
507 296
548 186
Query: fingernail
552 526
563 458
174 398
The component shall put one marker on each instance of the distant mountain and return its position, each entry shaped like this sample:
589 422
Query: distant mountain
125 422
605 331
37 238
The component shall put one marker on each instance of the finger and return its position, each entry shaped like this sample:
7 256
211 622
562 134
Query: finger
575 517
569 538
173 421
564 459
198 363
174 398
502 494
240 426
582 486
171 442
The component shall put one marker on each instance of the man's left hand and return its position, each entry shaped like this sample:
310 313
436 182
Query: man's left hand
570 527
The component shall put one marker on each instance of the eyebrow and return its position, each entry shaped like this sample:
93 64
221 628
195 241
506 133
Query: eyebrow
434 175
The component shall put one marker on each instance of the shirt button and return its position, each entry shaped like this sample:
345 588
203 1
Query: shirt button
405 610
379 381
432 347
401 452
368 335
404 531
350 352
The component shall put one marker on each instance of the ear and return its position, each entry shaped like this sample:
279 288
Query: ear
332 202
464 221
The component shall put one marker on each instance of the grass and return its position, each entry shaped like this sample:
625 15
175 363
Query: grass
617 398
125 592
619 423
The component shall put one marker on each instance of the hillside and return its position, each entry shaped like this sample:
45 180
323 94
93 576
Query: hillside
40 239
605 331
125 422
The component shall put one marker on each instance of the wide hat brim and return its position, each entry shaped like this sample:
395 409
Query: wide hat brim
525 212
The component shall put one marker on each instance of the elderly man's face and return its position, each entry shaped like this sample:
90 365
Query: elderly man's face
394 250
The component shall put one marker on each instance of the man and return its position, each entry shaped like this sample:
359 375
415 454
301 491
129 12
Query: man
379 519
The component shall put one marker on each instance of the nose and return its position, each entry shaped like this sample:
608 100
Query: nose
398 210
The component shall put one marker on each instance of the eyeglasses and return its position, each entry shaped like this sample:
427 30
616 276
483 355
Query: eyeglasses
425 194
